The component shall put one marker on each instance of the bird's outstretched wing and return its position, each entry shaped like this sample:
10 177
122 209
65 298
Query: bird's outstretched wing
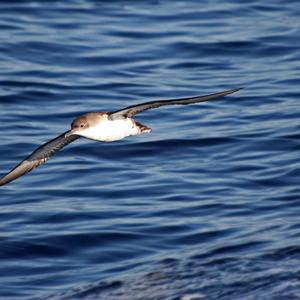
135 109
38 157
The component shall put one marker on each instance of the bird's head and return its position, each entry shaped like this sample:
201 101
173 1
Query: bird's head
78 126
83 125
80 123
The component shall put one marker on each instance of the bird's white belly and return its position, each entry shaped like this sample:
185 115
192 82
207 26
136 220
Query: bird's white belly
109 131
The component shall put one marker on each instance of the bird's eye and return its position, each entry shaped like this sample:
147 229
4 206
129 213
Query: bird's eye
81 125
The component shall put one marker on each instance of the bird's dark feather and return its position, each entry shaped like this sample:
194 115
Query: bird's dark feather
130 111
38 157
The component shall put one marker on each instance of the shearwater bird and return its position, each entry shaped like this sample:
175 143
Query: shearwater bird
100 126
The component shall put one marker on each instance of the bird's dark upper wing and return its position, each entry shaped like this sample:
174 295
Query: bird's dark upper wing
38 157
135 109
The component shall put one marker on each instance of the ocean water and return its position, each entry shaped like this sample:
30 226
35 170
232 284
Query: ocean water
207 206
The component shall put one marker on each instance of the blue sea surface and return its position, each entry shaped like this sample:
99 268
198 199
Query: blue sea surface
207 206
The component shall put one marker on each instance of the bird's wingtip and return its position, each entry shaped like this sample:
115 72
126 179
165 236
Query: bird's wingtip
3 181
228 92
236 90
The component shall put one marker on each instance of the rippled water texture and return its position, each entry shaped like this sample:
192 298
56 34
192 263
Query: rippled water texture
206 206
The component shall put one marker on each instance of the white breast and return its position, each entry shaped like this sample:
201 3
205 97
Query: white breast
108 131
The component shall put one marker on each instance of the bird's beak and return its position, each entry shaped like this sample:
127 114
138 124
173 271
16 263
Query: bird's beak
69 133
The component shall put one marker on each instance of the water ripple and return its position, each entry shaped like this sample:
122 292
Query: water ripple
206 206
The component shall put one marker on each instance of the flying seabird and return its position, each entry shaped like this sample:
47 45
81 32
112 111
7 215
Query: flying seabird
100 126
